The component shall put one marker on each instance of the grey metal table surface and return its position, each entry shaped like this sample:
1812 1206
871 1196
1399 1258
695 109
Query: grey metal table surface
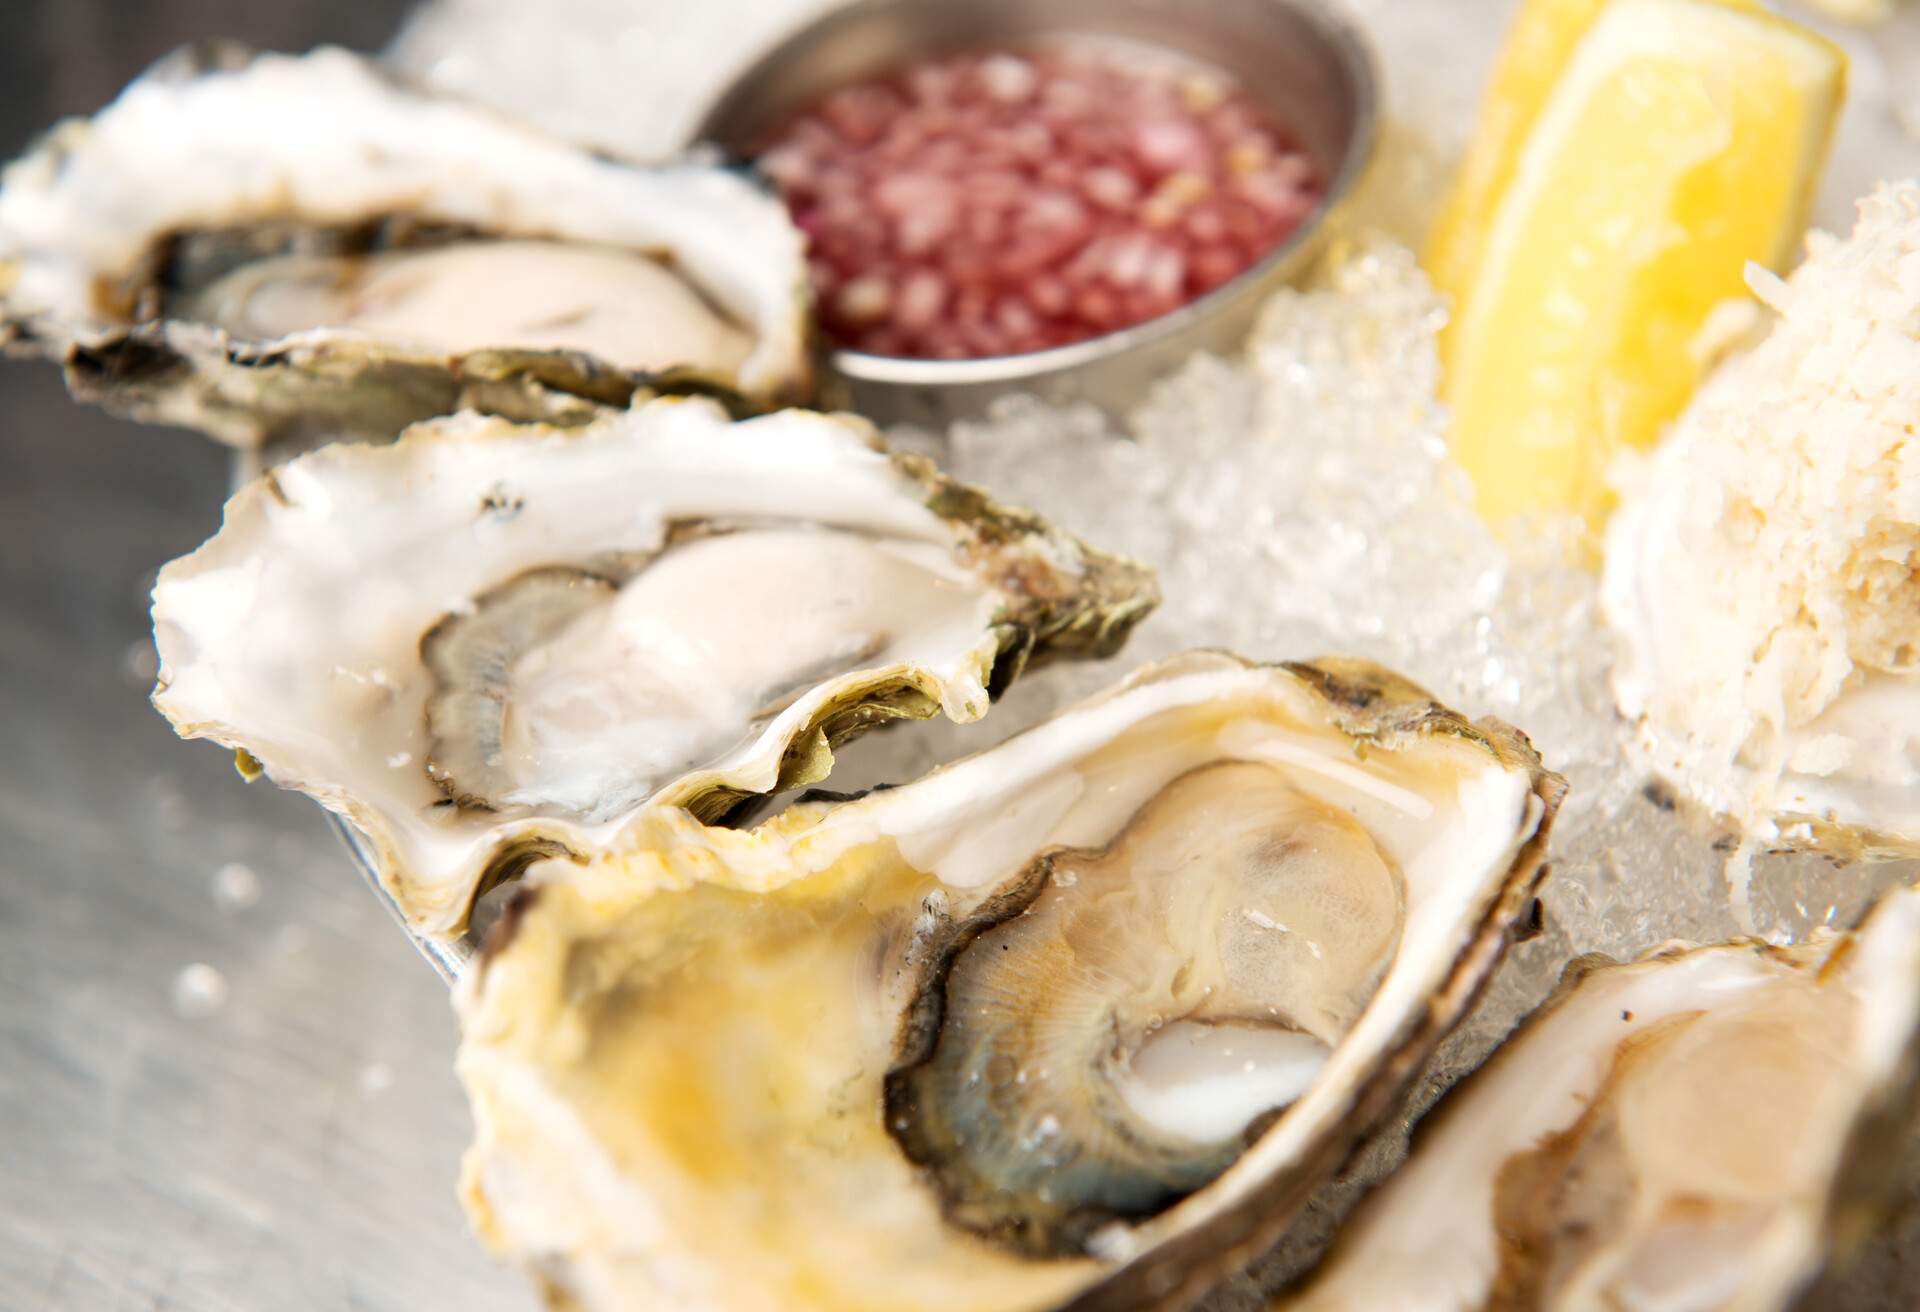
295 1145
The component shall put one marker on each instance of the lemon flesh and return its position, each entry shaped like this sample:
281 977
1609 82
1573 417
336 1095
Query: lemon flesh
1536 51
1681 140
1538 47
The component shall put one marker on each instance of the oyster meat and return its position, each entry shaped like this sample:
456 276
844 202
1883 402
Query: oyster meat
490 641
1080 1020
211 251
1697 1130
1763 573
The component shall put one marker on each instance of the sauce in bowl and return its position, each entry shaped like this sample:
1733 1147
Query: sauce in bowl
997 202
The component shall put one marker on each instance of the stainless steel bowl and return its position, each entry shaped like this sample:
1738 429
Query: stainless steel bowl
1303 60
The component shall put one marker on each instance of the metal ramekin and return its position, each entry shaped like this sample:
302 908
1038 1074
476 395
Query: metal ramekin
1304 60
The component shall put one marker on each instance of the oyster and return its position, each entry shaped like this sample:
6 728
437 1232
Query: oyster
1763 575
487 642
1077 1021
1695 1130
213 251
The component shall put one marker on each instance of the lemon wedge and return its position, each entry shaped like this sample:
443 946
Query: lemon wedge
1534 54
1613 203
1537 49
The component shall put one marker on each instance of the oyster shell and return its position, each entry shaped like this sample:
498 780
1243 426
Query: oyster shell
487 642
213 251
1078 1021
1695 1130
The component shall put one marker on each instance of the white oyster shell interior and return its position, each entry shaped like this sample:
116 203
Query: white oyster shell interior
1665 1135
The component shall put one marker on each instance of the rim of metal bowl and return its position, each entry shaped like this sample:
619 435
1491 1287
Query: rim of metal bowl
451 958
1350 47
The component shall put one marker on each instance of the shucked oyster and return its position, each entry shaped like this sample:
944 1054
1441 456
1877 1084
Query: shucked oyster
278 246
1694 1131
486 642
1077 1021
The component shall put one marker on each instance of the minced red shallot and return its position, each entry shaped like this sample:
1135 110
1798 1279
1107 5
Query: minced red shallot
995 203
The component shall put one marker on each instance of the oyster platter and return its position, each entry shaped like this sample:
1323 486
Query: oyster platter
1420 812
